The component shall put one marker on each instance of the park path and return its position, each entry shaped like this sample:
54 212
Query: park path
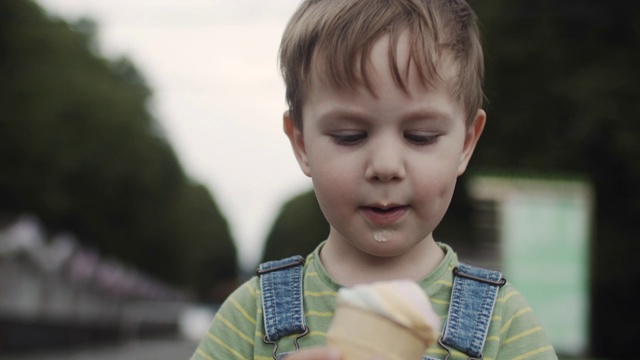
165 349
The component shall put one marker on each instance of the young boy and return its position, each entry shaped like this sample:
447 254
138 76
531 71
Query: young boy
385 102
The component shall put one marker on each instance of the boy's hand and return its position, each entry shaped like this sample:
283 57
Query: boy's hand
316 353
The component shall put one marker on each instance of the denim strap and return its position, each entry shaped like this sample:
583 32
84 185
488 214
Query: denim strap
473 297
281 286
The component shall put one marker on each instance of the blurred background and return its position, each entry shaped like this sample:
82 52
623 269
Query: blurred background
144 175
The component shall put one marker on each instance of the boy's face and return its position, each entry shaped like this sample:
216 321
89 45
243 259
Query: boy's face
383 166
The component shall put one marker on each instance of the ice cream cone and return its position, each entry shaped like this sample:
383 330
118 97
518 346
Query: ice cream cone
361 334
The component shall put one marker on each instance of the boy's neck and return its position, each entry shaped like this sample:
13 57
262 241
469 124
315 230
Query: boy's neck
349 266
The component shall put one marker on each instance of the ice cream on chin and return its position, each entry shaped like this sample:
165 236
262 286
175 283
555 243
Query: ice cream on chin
394 319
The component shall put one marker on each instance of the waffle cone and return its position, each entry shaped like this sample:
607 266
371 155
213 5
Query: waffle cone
361 334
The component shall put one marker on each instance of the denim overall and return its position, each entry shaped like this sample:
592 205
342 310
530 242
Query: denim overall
472 300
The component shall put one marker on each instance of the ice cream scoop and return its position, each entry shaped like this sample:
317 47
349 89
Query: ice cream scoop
394 319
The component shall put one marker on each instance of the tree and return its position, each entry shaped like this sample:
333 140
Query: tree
562 87
298 229
80 149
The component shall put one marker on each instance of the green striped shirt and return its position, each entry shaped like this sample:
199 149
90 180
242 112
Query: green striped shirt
237 329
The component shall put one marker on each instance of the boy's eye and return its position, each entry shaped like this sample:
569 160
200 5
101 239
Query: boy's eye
421 138
348 139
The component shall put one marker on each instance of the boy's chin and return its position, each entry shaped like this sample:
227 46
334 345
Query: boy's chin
387 247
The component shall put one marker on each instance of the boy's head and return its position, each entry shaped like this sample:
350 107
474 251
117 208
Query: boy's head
334 38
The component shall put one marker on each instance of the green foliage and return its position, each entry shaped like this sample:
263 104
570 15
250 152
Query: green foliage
562 85
298 229
562 88
79 148
210 254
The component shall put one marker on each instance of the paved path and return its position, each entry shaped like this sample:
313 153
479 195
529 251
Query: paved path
134 350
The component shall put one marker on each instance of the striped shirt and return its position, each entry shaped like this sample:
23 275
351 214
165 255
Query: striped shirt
237 330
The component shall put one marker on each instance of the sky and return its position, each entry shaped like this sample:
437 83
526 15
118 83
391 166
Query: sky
212 65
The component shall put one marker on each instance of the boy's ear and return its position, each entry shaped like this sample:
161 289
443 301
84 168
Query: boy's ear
297 142
471 139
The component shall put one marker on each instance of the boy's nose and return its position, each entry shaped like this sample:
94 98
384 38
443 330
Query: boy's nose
386 163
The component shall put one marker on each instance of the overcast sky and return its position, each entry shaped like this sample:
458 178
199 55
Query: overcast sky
212 65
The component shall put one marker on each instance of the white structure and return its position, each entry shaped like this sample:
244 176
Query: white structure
59 280
543 228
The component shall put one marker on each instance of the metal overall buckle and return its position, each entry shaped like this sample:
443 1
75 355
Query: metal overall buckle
449 351
275 343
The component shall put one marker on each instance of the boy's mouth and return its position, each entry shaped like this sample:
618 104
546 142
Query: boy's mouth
383 209
384 214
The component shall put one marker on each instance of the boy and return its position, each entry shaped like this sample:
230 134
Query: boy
384 113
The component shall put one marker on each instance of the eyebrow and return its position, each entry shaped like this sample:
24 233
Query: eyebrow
431 114
343 114
346 114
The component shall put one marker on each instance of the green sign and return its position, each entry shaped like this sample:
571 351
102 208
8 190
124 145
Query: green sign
544 235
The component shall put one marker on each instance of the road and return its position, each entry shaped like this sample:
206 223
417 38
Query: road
134 350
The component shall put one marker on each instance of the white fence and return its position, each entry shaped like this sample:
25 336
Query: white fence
58 280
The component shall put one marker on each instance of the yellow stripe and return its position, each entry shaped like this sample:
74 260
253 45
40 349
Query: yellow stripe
493 338
236 330
523 334
457 353
508 323
258 357
311 273
440 351
437 351
252 290
522 311
318 333
441 302
201 353
227 347
445 282
534 352
320 293
242 310
319 313
507 297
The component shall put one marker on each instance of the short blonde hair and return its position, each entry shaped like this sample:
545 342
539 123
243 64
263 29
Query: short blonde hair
339 35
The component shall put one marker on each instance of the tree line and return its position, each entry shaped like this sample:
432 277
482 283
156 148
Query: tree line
80 149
